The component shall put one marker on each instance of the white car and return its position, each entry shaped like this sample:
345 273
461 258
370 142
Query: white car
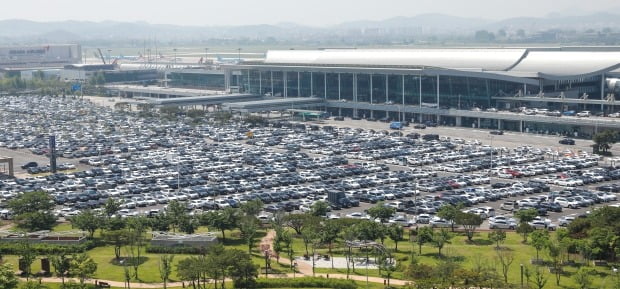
584 113
401 220
423 219
565 220
502 224
539 225
566 202
437 222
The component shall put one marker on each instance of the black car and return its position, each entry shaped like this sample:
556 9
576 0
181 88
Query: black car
30 165
567 141
339 118
497 132
419 126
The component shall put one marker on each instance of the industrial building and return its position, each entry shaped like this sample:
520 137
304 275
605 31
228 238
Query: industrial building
39 56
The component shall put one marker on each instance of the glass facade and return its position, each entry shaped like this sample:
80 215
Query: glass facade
195 80
426 90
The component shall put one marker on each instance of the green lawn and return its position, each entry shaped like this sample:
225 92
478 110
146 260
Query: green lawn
481 251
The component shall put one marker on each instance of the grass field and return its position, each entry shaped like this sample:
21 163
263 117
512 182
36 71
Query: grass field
480 251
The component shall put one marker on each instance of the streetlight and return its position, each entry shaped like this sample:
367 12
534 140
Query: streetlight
492 151
294 268
238 54
206 55
175 57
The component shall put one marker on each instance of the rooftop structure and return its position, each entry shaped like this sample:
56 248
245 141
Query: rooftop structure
168 239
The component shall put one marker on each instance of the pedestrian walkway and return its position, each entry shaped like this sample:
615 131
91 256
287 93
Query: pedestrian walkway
305 269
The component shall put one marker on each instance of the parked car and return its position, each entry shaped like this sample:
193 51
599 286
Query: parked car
567 141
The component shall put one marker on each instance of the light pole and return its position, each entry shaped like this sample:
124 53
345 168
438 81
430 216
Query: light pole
238 54
521 275
206 55
294 268
492 150
109 55
175 57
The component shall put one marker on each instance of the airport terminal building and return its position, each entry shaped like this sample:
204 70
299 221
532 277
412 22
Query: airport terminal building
452 86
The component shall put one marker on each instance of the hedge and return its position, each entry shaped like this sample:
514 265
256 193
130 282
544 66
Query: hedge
14 248
306 282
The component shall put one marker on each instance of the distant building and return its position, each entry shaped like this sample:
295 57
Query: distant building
39 56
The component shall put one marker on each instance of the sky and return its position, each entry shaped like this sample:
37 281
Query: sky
309 12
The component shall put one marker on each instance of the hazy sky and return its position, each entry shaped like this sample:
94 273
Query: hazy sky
308 12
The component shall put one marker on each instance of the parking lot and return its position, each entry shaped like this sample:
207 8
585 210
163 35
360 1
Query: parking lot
148 162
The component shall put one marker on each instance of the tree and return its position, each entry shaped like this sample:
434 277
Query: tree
165 268
484 36
369 230
111 207
175 213
424 235
27 256
505 260
441 238
189 269
7 277
381 212
61 265
449 213
470 222
136 227
498 237
87 221
583 278
328 235
604 140
554 249
252 207
309 235
221 220
319 209
82 266
525 216
297 222
160 222
386 266
249 229
117 238
540 280
241 269
539 240
187 224
396 233
33 211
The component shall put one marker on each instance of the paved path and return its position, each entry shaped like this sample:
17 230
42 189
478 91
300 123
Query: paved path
305 269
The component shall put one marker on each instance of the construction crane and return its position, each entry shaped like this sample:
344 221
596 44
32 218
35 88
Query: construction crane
101 55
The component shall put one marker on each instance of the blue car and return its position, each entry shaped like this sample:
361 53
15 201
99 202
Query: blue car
569 113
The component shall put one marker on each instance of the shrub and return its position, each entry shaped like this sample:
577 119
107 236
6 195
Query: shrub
14 248
306 282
